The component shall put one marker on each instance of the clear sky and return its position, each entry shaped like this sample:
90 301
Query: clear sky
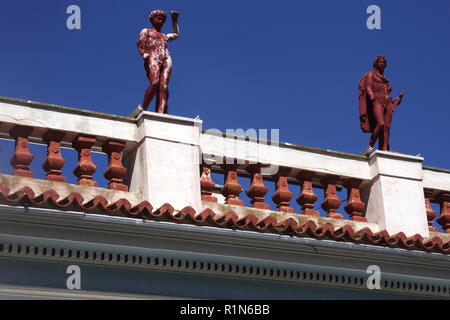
288 65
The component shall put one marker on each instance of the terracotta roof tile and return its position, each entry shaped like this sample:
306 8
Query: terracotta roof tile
144 210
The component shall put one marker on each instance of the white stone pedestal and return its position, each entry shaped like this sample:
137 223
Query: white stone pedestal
395 198
165 164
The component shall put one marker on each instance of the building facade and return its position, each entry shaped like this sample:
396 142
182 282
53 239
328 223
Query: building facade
161 228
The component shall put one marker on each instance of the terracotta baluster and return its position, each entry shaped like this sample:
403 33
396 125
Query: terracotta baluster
257 189
231 188
115 171
22 157
54 162
85 168
355 206
331 202
444 217
206 184
307 196
431 214
282 194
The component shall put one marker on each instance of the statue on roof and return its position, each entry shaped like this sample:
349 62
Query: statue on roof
152 46
376 105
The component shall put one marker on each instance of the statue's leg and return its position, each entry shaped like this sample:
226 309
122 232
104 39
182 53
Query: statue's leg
166 107
153 76
164 84
156 98
381 140
378 113
387 125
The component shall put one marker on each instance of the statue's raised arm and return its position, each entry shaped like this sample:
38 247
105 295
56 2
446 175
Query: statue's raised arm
176 28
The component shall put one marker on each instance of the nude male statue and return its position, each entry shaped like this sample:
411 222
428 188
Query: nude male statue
376 105
152 46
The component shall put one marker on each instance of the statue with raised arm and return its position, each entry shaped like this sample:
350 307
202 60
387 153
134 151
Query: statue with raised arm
376 105
152 46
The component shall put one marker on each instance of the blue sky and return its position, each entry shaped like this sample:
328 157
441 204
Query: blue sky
289 65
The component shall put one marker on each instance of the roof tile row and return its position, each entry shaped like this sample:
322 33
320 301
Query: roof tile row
144 210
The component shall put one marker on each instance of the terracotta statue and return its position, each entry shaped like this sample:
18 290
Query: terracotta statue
152 46
376 105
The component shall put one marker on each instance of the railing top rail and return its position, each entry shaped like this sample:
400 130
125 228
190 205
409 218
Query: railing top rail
287 145
436 169
64 109
73 122
436 179
95 114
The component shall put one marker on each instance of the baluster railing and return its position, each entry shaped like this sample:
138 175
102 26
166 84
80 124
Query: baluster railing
115 171
444 217
22 157
206 184
431 214
257 189
308 167
331 202
355 206
282 195
307 196
54 161
231 187
436 189
85 168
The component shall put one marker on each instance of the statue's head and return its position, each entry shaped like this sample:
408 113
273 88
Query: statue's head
380 63
157 18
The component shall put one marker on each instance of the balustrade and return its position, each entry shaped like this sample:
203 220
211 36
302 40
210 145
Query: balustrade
436 190
54 161
282 195
443 199
160 154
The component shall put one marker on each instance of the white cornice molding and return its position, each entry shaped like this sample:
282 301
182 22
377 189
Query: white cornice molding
212 251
